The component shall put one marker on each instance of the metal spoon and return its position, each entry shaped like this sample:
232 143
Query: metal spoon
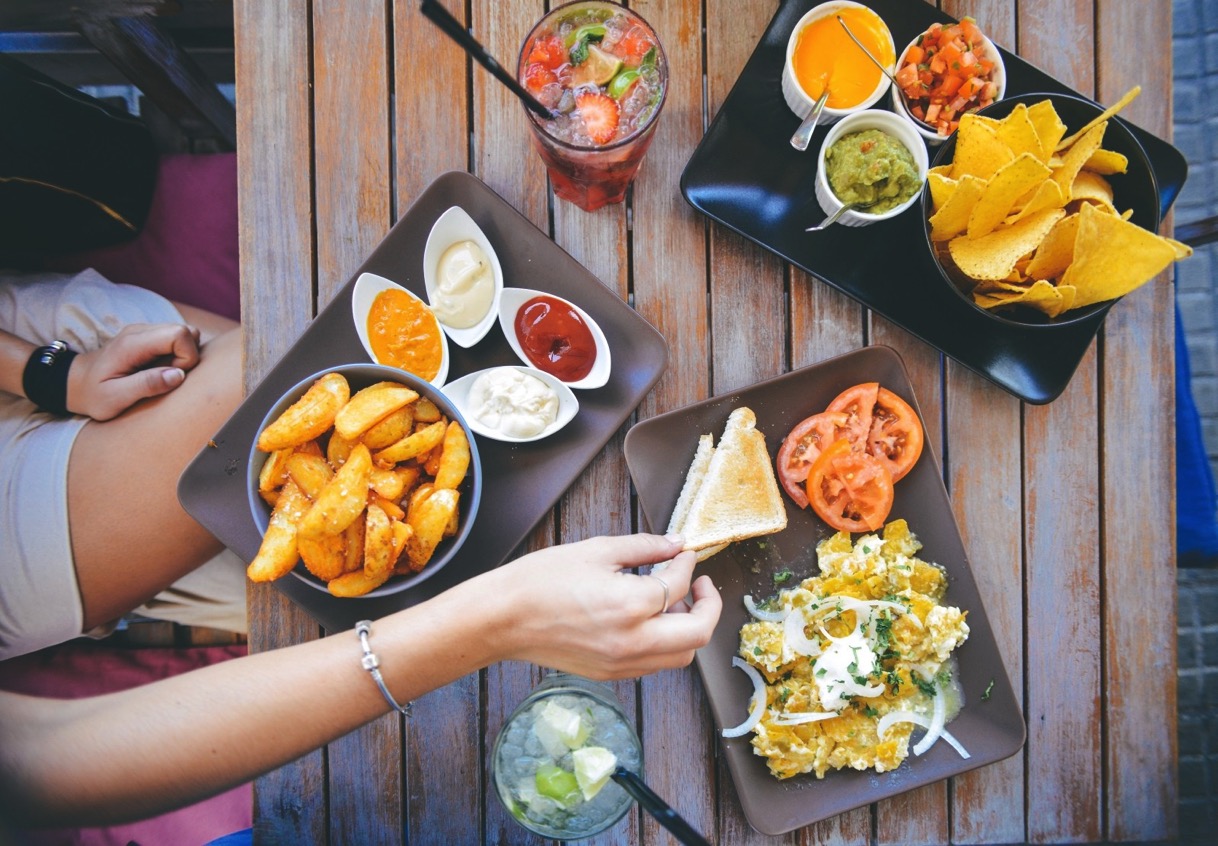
833 218
803 135
901 91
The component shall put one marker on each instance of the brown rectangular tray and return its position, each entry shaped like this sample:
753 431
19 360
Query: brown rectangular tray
658 452
521 481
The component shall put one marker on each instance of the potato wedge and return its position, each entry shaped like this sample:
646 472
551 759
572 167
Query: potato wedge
324 557
309 417
454 457
411 446
274 470
357 583
343 498
391 508
370 406
310 472
429 521
401 534
353 547
426 411
337 450
378 543
418 495
278 553
387 483
392 429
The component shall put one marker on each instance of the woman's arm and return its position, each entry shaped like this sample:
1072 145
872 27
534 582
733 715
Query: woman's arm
139 752
141 361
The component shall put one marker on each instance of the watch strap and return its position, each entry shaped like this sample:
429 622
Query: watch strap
45 380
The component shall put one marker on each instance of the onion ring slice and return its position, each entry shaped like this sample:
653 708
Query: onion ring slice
758 707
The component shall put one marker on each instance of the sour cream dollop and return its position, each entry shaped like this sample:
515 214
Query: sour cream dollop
465 287
513 402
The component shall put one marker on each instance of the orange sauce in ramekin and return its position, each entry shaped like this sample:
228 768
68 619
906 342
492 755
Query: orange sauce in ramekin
824 51
404 333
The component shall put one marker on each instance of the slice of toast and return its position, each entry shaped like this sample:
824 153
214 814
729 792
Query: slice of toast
689 490
738 497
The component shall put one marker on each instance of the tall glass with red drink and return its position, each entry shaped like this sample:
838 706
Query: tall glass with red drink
601 69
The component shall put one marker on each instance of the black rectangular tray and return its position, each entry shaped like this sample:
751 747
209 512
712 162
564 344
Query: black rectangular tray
745 175
521 482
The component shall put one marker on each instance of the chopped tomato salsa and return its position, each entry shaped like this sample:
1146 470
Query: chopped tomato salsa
948 71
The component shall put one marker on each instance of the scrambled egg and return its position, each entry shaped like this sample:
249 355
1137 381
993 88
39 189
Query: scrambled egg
864 638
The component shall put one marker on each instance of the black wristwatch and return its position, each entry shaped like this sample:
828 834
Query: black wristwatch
45 380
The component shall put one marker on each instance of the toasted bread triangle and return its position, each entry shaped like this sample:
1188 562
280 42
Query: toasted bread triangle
738 497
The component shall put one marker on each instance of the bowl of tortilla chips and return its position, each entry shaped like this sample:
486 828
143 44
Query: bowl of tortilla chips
1042 210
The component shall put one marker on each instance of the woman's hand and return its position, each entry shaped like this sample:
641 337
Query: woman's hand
143 360
578 607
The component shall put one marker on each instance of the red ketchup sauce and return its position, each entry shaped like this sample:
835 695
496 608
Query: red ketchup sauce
555 338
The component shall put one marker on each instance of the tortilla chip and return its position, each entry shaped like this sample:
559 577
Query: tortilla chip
978 151
1113 257
1094 188
1077 155
1183 250
1106 162
1049 127
1040 295
1047 195
994 256
1011 182
1056 252
952 219
1125 100
1018 132
941 188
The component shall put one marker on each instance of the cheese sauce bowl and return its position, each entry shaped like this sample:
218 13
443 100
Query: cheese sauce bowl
368 300
820 50
452 282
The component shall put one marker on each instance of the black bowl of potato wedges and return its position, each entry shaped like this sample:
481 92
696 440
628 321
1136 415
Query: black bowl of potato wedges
1043 210
363 480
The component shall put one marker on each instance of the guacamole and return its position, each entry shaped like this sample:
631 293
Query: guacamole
871 167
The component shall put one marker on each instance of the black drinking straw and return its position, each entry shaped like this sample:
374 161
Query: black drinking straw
454 30
651 802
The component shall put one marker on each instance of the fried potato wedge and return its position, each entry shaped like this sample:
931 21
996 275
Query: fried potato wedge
429 521
309 417
357 583
310 472
426 411
412 446
370 406
278 553
324 557
274 470
378 543
387 483
342 499
392 429
454 458
353 547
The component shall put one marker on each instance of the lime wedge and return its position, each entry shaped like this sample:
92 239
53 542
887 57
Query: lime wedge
558 784
593 767
621 84
592 32
597 69
566 725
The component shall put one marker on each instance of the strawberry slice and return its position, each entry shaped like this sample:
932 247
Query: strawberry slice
600 115
537 77
548 52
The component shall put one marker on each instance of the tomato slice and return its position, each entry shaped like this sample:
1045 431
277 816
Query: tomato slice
803 445
858 402
850 489
896 436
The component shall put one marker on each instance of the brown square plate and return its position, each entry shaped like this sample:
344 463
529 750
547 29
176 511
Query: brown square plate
658 452
521 482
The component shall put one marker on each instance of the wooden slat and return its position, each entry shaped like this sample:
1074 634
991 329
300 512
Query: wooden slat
443 758
670 291
353 196
987 804
277 272
1061 504
1140 763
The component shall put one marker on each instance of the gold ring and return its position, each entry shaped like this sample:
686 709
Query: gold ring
663 584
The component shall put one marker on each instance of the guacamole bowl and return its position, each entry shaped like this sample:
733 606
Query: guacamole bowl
851 169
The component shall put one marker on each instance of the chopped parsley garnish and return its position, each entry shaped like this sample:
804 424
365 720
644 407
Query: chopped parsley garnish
883 631
782 576
870 712
821 673
785 695
923 685
989 689
757 650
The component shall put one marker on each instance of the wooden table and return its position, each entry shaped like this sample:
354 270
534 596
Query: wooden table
347 110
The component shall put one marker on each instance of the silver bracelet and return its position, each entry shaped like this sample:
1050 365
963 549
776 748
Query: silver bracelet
373 664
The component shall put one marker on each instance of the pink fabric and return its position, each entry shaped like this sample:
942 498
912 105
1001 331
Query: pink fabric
187 250
83 668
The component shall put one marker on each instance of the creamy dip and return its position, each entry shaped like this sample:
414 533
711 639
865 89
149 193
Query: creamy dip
512 402
465 285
